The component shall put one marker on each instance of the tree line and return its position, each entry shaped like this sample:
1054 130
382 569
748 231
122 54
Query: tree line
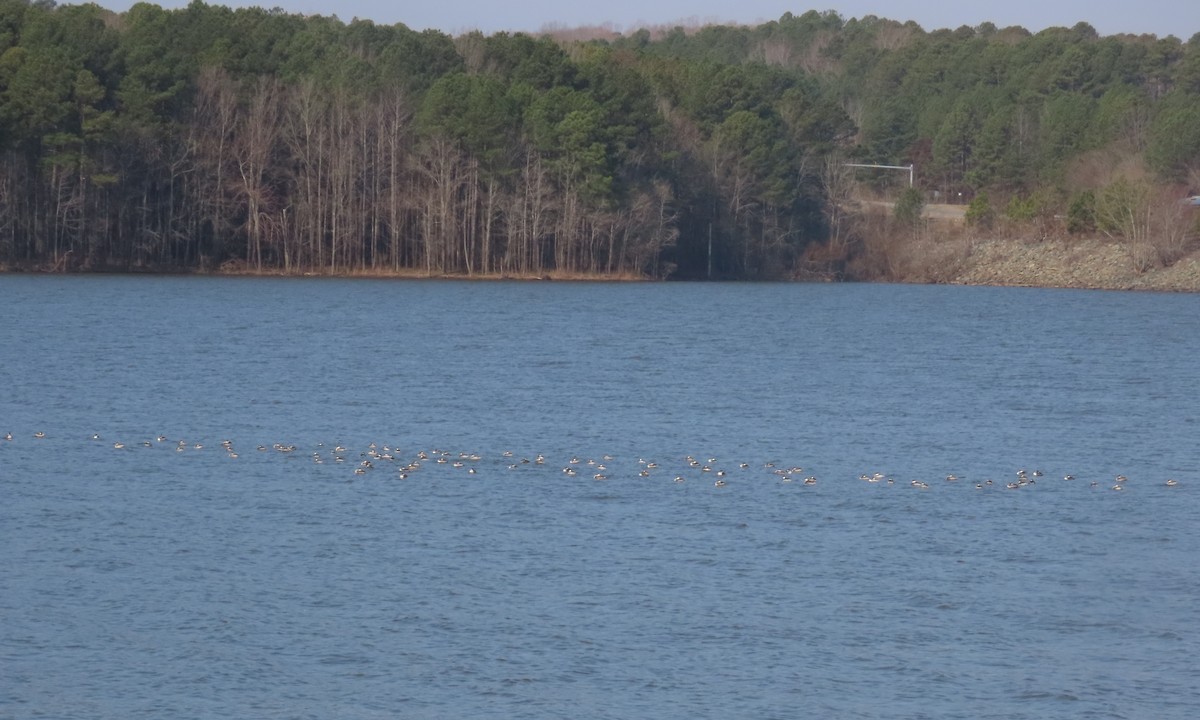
208 137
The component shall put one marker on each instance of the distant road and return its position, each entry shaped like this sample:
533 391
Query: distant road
933 211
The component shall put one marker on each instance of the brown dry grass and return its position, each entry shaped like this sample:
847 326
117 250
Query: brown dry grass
417 274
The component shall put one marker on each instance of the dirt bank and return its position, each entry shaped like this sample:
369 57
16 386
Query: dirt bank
930 211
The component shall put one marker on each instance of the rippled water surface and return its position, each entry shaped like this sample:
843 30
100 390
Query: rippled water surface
682 568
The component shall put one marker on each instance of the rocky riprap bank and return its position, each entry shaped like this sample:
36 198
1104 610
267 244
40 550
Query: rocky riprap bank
1073 263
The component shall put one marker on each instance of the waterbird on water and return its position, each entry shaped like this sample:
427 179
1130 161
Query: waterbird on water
603 470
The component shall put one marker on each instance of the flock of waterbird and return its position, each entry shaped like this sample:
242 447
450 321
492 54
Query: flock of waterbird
390 461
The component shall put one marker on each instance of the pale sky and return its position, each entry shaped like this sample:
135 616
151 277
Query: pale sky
1161 17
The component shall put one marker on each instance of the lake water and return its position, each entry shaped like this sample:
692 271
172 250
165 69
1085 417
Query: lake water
694 578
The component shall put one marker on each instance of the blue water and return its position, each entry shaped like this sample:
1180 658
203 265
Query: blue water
173 581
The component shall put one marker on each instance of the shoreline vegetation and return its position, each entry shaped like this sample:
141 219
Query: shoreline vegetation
1094 263
242 270
943 245
218 140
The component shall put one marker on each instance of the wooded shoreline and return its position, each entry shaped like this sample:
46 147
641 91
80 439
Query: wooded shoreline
1093 263
213 139
241 270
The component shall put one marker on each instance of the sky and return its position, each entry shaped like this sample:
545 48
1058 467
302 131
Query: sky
1160 17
